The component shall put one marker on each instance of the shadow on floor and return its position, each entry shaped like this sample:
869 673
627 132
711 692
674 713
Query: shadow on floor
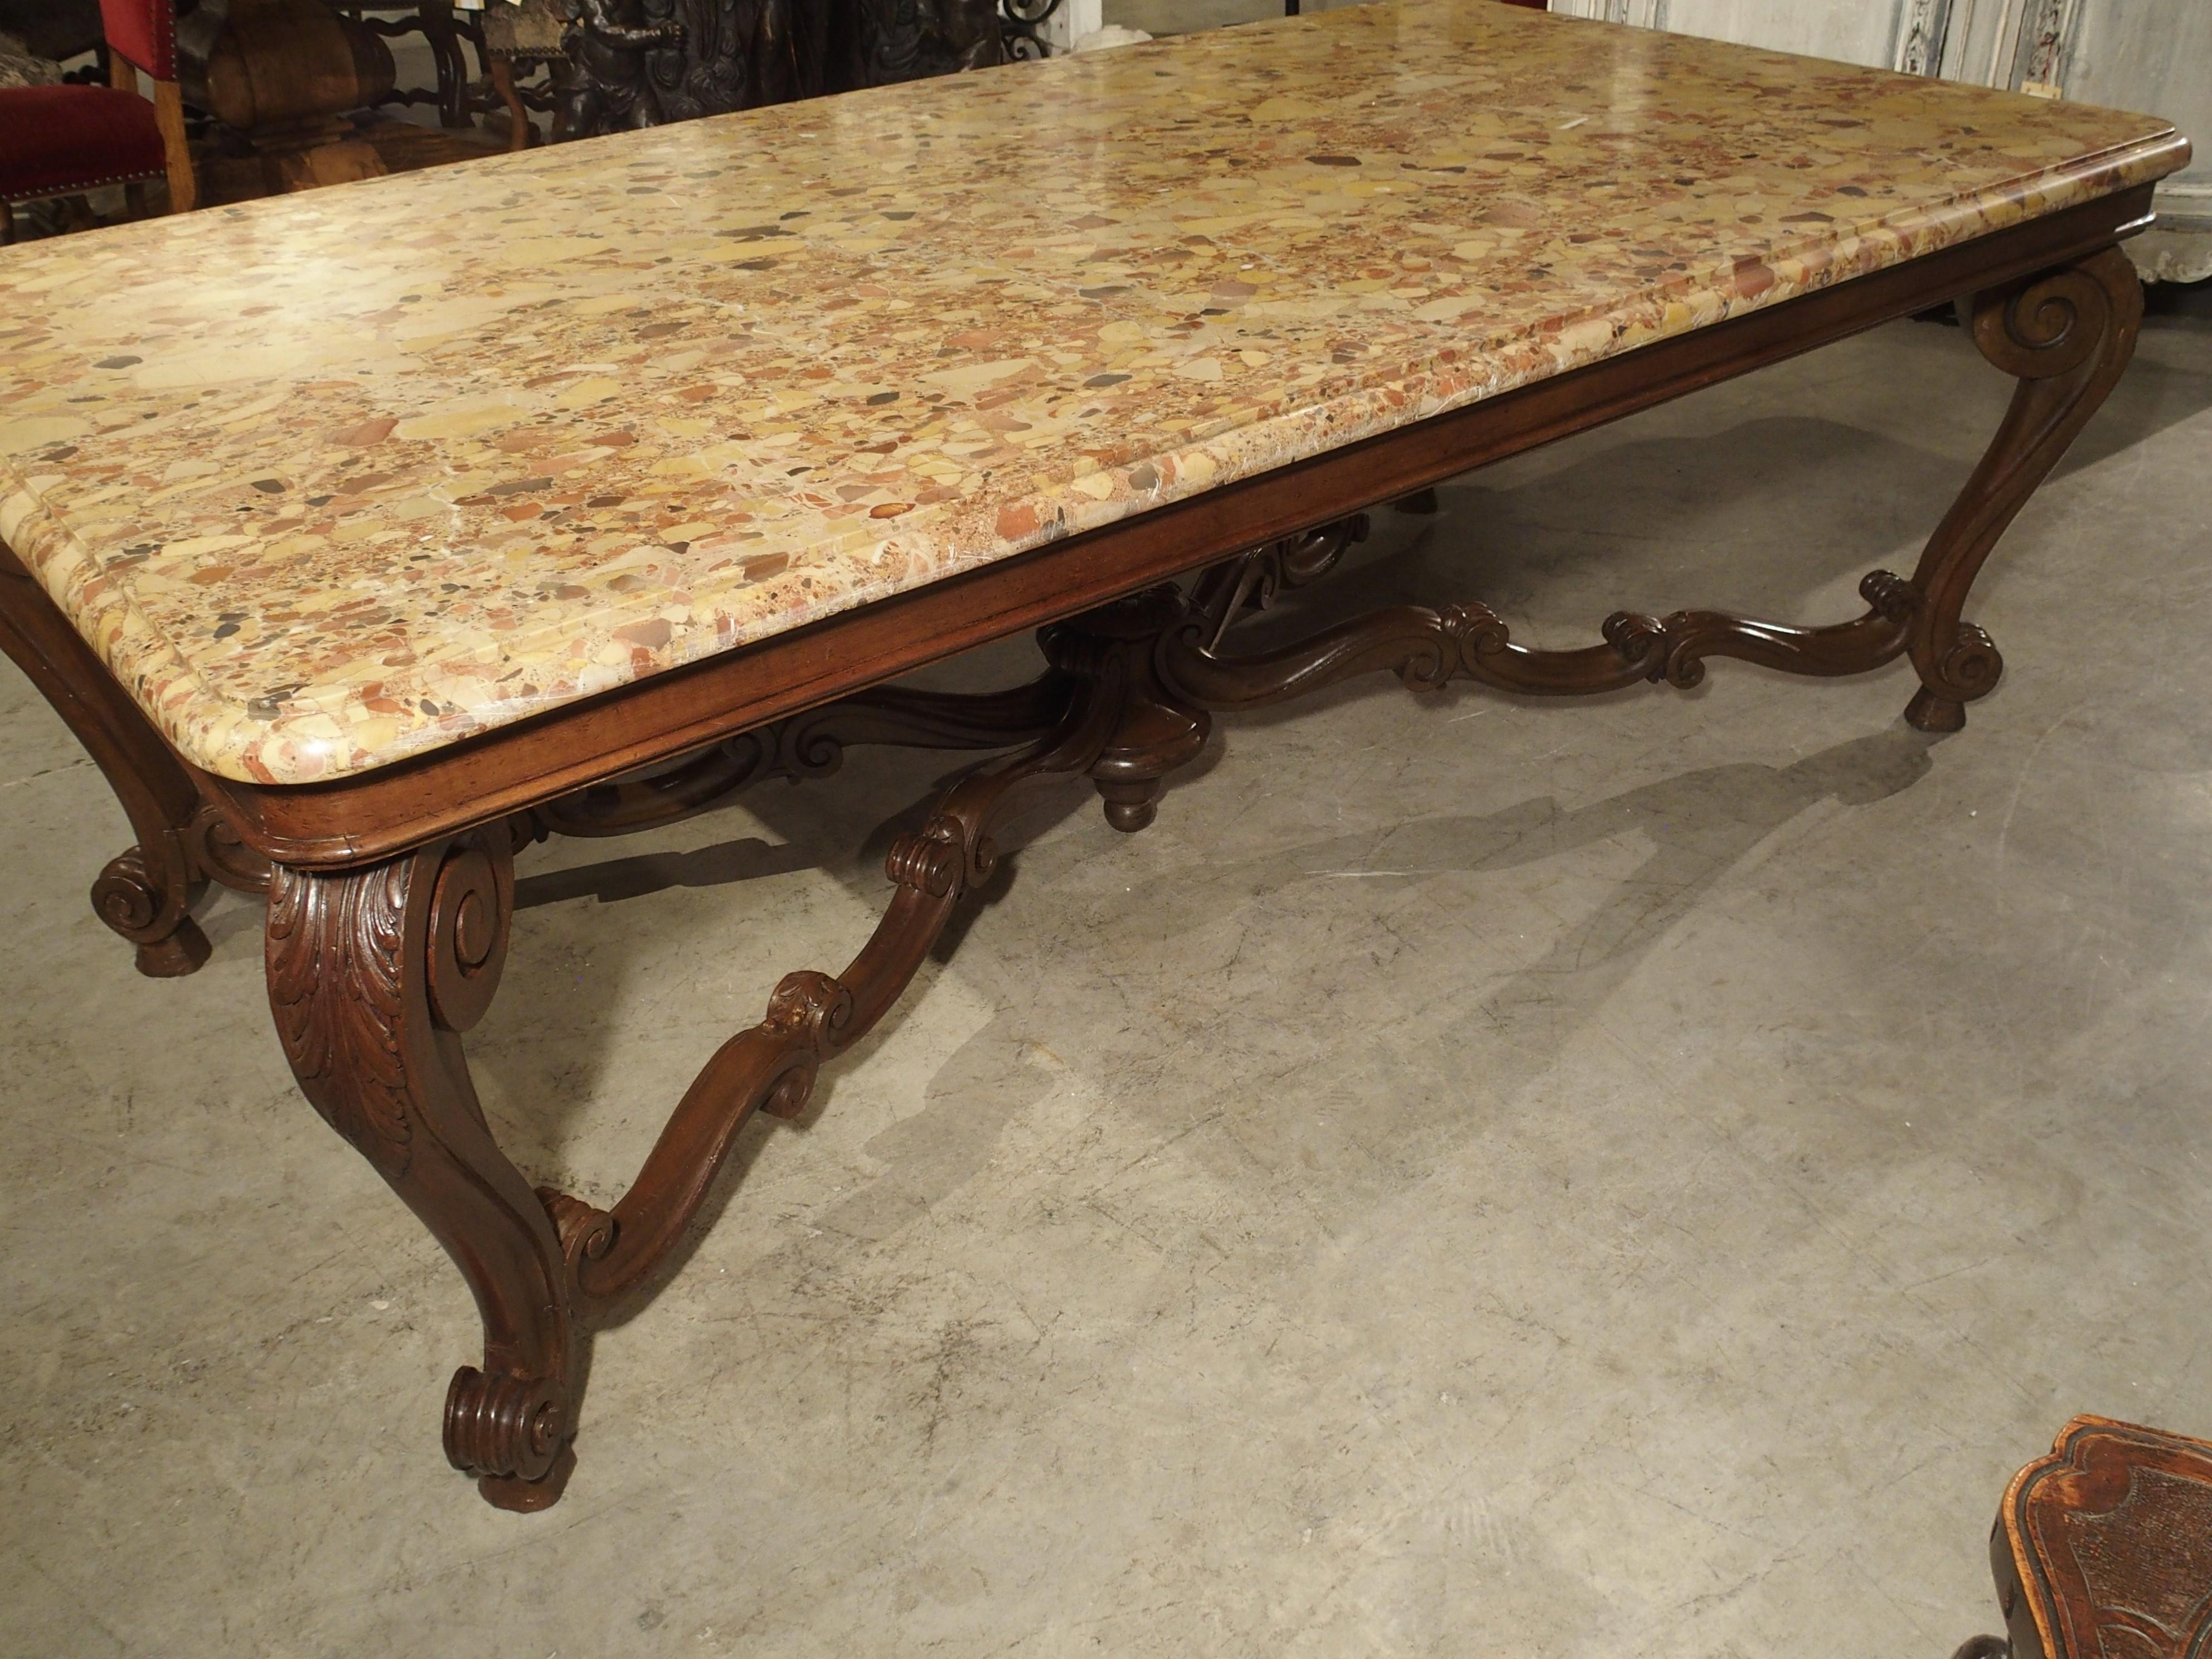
1698 827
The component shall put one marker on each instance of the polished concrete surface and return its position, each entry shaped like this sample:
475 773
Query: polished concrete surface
1477 1176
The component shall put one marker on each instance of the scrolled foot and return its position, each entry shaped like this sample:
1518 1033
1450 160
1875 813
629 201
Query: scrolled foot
1970 669
1928 712
152 913
375 974
511 1433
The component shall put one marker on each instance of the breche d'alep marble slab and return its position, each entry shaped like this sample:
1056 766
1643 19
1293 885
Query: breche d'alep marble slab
337 478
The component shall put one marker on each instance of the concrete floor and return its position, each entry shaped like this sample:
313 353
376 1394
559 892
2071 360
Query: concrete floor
1475 1177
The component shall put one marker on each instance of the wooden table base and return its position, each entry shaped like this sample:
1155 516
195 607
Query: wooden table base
376 971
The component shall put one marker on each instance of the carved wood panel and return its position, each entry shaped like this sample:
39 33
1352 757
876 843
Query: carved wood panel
2103 1550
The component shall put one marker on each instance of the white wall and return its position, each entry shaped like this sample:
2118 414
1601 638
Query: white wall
1074 20
1855 31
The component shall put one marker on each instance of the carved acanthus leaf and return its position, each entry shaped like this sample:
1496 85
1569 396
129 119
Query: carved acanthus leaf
328 934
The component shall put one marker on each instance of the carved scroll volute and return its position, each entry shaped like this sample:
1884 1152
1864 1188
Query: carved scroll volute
216 849
1252 579
941 856
470 902
585 1233
445 910
809 1014
143 904
2052 324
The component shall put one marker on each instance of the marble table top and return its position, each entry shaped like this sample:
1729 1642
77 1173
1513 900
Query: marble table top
337 478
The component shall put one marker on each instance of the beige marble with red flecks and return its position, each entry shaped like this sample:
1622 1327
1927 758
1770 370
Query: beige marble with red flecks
338 478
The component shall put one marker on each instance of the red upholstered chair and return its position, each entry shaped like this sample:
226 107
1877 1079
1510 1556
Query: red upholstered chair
58 140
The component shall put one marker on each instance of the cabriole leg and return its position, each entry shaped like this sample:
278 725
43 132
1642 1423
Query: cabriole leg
374 975
2066 336
145 893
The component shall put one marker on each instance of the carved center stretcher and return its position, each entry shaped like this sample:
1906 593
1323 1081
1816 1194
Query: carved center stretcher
371 558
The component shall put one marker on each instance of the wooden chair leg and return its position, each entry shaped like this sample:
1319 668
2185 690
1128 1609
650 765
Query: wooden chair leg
6 223
436 20
502 81
134 198
169 116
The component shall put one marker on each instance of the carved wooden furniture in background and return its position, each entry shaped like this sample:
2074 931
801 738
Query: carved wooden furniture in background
446 32
387 729
517 40
281 75
62 140
907 40
612 86
1023 26
2103 1549
638 62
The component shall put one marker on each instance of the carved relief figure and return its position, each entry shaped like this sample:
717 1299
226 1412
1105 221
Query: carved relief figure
969 29
734 54
608 42
906 40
